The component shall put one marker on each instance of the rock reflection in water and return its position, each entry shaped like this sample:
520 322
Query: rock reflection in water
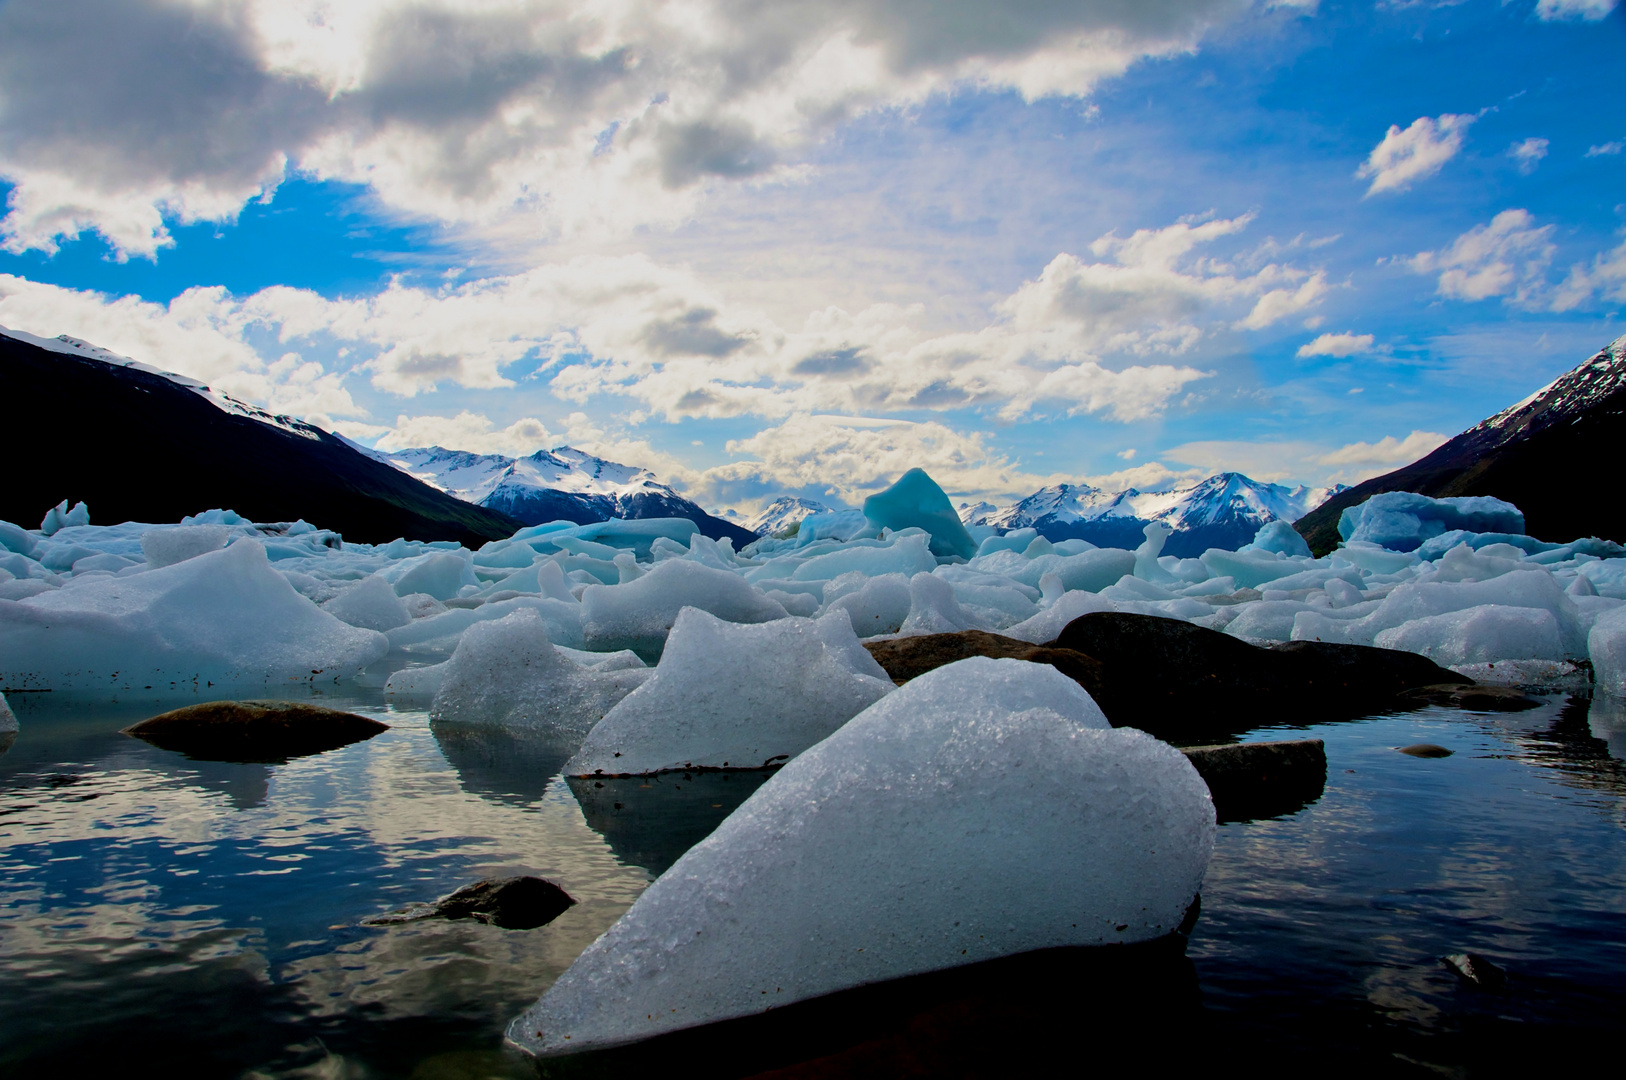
1053 1011
650 821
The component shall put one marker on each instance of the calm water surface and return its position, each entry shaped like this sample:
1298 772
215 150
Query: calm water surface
166 916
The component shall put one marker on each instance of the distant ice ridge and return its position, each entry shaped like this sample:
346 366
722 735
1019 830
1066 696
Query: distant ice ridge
985 808
129 606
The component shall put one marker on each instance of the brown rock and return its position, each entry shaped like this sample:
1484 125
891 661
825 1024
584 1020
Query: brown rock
1474 697
905 658
1264 779
254 731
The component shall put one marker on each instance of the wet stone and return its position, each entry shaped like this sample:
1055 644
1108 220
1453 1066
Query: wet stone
1425 750
1473 968
268 732
1260 780
514 903
1473 698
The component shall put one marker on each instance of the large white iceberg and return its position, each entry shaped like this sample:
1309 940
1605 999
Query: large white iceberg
984 809
224 619
736 696
507 673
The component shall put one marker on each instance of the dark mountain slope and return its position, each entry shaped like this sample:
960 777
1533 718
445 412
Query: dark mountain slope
1551 455
137 446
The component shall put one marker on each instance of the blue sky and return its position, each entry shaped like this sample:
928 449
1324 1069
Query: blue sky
797 248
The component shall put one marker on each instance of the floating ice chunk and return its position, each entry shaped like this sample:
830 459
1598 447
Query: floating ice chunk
8 719
441 574
1251 569
933 608
1266 620
984 809
908 554
225 618
1146 564
59 517
15 538
1374 559
915 501
1478 635
106 561
418 685
736 696
370 604
842 525
1606 645
23 588
177 543
543 576
1279 537
507 673
1047 626
877 606
1016 540
799 604
1403 520
639 614
438 635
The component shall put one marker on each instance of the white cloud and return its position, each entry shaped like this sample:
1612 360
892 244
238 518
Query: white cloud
200 333
1605 278
847 459
1126 454
468 431
1150 476
1416 153
1589 10
1507 257
1309 462
535 117
1607 149
1528 154
1338 345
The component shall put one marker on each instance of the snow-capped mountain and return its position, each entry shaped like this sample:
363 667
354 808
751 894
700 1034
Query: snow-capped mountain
1225 510
1544 454
552 485
782 513
142 444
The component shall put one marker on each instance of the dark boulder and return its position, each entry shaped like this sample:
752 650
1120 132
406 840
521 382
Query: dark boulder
1183 682
905 658
1425 750
1260 780
515 903
268 732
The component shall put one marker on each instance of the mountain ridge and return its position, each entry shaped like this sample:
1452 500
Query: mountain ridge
1532 453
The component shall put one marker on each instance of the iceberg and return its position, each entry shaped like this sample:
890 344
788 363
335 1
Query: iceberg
984 809
915 501
736 696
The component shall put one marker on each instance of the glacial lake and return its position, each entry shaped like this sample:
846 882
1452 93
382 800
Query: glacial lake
163 916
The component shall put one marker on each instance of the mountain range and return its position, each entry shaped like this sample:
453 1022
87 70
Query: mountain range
1224 511
553 485
1548 455
139 444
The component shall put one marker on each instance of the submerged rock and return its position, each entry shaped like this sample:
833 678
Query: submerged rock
254 731
983 810
1264 779
1473 698
1425 749
514 903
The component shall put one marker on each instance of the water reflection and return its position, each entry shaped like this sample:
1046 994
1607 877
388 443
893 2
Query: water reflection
650 821
493 762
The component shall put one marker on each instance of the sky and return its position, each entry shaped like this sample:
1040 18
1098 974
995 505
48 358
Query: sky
799 247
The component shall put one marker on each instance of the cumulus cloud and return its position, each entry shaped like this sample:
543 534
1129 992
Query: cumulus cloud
848 458
468 431
1338 345
1604 277
1416 153
1506 257
1589 10
1528 154
1150 476
201 333
545 116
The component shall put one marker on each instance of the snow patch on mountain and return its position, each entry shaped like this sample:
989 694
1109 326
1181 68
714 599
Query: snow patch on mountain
477 477
1595 379
782 513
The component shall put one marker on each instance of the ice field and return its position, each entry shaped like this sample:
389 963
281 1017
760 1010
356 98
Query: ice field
220 602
